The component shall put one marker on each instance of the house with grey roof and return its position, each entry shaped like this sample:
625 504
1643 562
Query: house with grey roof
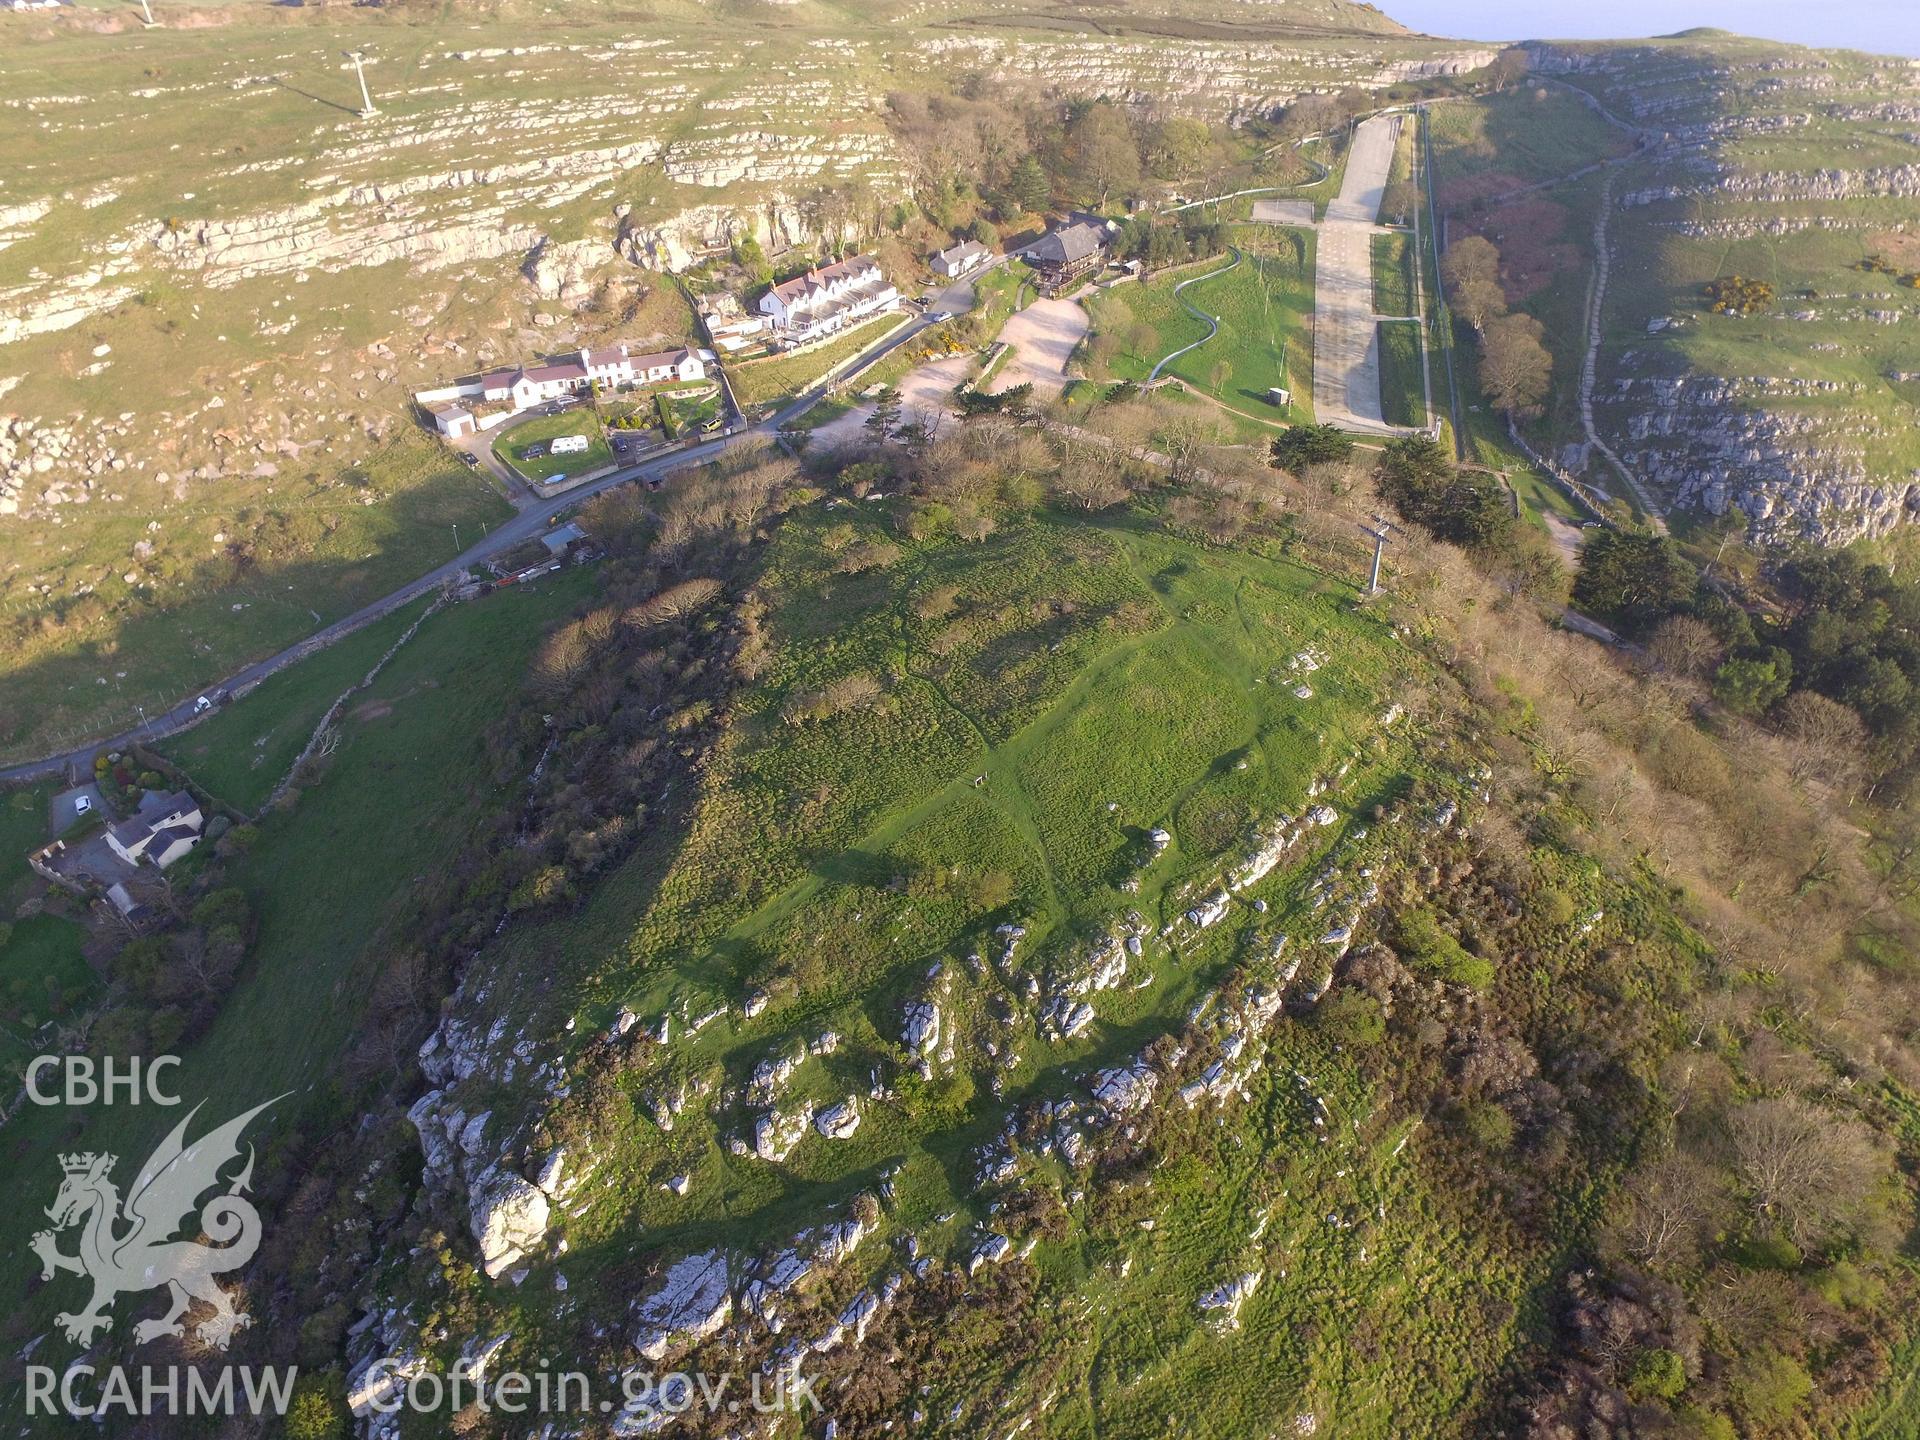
960 259
162 830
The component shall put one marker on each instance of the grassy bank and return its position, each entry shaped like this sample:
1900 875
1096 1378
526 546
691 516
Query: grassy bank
1402 389
767 384
1264 307
329 881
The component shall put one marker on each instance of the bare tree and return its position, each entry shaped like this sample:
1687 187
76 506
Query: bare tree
1090 483
1686 646
1830 739
1516 368
1803 1164
1670 1210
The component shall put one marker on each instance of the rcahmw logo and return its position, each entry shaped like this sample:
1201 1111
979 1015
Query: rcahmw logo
127 1246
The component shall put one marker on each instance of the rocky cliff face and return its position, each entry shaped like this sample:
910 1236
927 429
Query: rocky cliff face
1722 444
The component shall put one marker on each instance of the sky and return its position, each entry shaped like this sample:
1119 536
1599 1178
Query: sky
1888 27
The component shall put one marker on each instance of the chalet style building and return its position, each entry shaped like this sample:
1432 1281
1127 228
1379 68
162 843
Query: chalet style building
163 829
828 299
1062 256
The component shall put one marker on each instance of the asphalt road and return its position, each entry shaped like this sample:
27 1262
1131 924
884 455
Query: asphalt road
533 517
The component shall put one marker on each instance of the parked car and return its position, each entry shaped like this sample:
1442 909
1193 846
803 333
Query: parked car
534 452
469 459
83 806
202 705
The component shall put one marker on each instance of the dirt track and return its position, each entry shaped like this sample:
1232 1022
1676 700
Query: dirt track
925 387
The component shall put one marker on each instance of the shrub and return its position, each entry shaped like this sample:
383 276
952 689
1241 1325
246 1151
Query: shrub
1306 445
1704 1424
1490 1126
1656 1374
868 555
1553 906
1771 1386
1768 1250
546 886
1753 681
226 906
1737 295
1845 1284
315 1413
1350 1017
1425 946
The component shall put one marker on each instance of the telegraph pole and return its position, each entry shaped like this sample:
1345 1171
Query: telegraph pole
147 10
367 110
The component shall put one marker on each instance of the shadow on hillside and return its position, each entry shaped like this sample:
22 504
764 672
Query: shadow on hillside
229 614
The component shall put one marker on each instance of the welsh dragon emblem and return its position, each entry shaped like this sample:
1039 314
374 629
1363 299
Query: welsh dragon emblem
131 1247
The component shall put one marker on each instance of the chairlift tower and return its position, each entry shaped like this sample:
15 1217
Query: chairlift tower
1386 527
367 110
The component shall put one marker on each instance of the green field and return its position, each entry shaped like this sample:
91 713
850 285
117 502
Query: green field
768 384
1403 398
1013 774
329 880
1264 307
1492 144
544 430
240 753
43 975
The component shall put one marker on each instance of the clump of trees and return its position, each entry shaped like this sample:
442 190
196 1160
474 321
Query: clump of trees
1470 271
1515 366
1851 639
1463 507
168 983
988 145
1738 295
1158 243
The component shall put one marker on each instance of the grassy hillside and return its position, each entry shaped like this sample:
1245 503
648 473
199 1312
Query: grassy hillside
1102 956
1040 719
1784 165
959 775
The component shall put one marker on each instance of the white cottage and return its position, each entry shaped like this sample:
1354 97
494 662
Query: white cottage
829 299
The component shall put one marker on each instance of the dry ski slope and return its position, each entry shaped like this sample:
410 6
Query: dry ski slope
1346 349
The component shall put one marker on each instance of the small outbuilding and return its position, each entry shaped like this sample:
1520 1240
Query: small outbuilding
456 422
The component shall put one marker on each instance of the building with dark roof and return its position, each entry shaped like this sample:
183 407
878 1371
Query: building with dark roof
1064 255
